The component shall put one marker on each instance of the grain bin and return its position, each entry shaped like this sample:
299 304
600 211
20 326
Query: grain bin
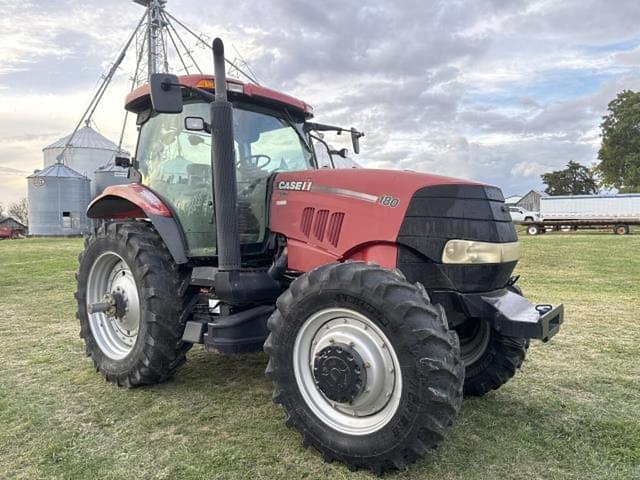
108 175
58 199
85 153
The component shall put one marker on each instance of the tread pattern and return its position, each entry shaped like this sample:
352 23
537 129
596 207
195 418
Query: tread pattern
500 362
163 288
428 351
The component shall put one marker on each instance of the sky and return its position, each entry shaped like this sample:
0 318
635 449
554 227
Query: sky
498 91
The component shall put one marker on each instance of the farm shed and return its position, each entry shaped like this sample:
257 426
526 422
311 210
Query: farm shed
531 201
14 225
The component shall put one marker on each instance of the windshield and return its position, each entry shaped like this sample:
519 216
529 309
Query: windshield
176 163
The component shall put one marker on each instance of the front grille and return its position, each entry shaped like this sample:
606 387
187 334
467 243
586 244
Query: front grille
320 224
307 220
335 227
440 213
325 225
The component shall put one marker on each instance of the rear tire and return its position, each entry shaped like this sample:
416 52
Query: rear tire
621 229
422 376
156 289
533 230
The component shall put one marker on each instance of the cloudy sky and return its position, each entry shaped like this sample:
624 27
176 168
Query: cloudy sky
494 90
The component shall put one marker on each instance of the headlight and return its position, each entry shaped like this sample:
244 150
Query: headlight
468 251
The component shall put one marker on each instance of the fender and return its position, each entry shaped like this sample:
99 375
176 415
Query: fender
384 254
304 256
136 201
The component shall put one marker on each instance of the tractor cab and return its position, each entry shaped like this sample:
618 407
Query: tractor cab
174 156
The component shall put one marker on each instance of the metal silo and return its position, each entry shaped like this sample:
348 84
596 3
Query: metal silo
108 175
58 200
85 153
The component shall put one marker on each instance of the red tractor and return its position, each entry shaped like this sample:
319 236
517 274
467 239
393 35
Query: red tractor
380 297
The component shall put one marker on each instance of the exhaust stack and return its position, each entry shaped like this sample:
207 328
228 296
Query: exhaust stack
223 167
232 285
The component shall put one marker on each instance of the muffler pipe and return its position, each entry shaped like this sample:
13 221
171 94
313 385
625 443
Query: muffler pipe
223 167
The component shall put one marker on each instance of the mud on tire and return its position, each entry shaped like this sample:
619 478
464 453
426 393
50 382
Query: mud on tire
163 294
428 352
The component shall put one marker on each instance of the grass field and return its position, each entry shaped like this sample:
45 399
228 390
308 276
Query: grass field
572 412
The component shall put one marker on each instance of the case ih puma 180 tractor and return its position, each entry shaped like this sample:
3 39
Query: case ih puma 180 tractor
380 297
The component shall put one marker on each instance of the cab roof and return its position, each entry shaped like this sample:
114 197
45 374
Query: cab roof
140 99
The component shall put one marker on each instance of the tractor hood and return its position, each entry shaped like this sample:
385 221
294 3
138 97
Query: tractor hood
332 214
371 203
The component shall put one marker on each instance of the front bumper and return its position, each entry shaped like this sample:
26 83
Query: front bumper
509 313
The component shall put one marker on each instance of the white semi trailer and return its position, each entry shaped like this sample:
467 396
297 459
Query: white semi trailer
571 212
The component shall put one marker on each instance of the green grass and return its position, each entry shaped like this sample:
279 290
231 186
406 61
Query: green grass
572 412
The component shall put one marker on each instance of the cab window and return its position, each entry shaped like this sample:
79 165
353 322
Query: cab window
176 163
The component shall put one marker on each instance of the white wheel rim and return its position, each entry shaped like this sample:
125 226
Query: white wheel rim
472 348
376 405
115 337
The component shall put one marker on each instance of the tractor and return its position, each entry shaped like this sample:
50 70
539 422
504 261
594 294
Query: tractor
380 297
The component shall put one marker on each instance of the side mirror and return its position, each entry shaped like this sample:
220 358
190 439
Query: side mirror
355 140
124 162
341 153
166 93
195 124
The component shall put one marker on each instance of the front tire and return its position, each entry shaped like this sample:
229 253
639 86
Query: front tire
139 340
490 358
364 367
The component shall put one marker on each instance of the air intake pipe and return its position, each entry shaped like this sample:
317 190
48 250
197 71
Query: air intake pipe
223 166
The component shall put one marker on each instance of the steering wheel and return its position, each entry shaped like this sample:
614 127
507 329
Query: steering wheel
254 160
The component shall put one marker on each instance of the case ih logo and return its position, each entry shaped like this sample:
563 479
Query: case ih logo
294 185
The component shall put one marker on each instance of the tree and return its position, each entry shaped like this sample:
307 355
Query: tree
619 154
20 211
576 179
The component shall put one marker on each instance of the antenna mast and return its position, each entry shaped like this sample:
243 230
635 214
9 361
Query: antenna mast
150 38
154 40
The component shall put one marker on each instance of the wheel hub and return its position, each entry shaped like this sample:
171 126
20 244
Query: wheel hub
339 373
347 371
113 305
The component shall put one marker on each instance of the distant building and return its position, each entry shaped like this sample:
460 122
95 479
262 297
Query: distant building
13 225
75 171
58 198
87 152
512 199
531 201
